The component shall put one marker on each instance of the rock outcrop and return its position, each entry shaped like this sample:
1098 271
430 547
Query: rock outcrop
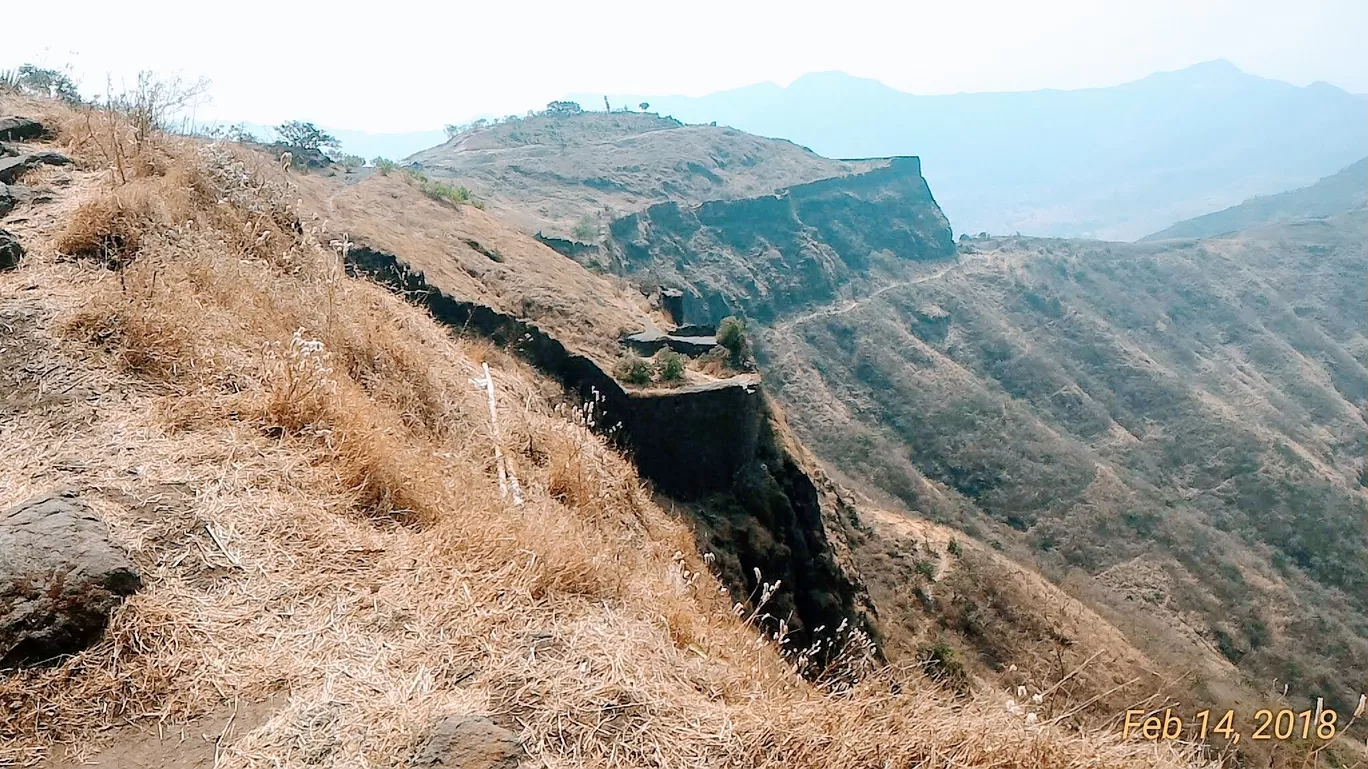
763 255
60 579
467 742
14 167
652 341
10 251
715 448
8 200
21 129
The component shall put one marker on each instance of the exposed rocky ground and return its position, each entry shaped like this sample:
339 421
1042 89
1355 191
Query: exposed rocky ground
60 579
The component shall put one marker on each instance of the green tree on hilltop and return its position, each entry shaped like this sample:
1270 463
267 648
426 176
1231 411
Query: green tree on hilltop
298 135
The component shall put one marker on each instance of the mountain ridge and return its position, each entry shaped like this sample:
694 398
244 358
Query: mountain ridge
1334 194
1183 142
568 175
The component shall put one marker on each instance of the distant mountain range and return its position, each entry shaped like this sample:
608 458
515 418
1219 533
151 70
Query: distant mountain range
1115 163
1332 195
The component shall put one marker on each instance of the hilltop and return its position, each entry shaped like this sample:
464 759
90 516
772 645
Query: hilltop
1113 163
567 175
1335 194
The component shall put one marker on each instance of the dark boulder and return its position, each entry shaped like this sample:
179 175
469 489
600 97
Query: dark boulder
10 254
13 168
672 301
60 579
21 129
468 742
12 195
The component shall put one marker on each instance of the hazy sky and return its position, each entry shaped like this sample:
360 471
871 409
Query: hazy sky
406 65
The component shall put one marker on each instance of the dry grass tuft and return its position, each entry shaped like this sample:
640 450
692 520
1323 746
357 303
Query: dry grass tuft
111 227
299 416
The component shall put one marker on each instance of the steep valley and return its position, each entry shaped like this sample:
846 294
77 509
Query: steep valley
1171 431
1182 426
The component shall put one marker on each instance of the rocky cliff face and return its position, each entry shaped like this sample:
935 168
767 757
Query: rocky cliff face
718 449
761 256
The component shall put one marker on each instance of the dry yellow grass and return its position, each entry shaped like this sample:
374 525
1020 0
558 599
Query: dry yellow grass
452 246
303 473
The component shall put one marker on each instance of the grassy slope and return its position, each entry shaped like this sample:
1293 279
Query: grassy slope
473 254
549 173
302 472
1335 194
1045 646
1182 423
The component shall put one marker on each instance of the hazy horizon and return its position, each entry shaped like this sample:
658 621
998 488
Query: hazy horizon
420 67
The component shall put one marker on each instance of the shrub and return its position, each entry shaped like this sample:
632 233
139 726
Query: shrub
585 229
384 165
954 548
158 105
109 229
238 133
38 81
715 362
731 334
633 371
669 365
563 108
942 664
440 190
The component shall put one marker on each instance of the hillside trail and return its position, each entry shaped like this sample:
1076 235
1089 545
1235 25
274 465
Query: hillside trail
825 312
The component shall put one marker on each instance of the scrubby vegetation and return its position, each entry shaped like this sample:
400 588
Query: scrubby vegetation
666 367
443 191
669 365
731 334
300 136
33 80
633 370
